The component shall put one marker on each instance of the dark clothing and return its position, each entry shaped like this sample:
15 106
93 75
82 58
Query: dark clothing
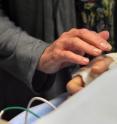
98 15
24 25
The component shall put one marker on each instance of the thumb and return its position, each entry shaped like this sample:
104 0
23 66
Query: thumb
104 34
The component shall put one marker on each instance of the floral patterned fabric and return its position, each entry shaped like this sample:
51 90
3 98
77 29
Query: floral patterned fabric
98 15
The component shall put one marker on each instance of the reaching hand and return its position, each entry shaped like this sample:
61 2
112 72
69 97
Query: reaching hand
70 48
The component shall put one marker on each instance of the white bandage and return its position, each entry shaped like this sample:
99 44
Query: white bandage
87 77
114 57
85 74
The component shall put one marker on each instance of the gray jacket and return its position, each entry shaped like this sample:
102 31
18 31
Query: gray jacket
26 29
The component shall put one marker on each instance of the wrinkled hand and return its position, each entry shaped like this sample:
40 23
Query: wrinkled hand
98 67
70 47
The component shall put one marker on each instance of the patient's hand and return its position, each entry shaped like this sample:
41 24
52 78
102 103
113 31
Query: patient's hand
97 67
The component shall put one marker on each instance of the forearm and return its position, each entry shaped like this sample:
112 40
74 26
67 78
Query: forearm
19 52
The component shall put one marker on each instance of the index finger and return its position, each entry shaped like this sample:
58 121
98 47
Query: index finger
92 38
101 66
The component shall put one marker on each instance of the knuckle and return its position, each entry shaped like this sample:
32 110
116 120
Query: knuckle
56 43
83 31
64 34
56 54
64 41
94 32
73 43
73 30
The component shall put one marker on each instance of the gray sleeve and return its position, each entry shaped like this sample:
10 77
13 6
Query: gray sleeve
19 52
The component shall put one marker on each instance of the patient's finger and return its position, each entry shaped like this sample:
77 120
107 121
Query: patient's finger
75 85
101 66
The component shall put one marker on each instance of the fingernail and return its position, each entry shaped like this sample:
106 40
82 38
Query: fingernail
109 47
106 46
85 60
97 51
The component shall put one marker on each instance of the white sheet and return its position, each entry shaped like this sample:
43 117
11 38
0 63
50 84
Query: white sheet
96 104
